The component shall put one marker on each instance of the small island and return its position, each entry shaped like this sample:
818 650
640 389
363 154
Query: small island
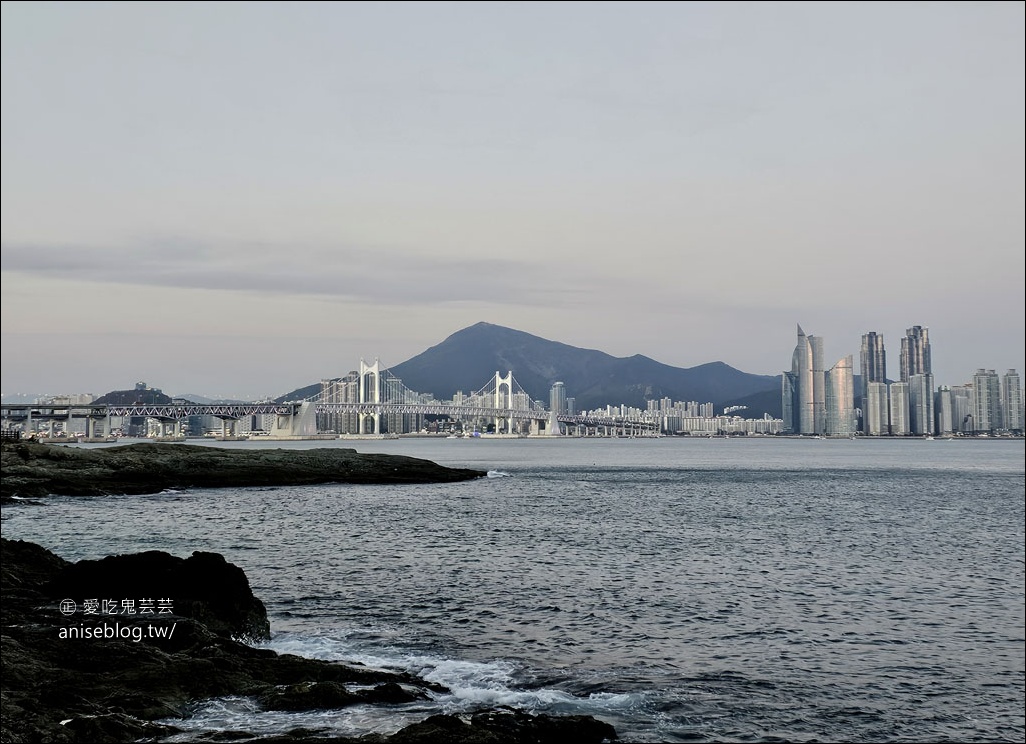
32 470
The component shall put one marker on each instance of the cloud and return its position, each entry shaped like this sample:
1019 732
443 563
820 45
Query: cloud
375 275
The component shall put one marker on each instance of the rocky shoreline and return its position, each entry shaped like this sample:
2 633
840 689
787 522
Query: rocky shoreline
113 650
32 470
76 669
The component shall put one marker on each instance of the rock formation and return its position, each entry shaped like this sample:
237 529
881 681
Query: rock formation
32 470
60 686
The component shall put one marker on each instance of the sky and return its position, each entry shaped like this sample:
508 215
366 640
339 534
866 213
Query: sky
240 199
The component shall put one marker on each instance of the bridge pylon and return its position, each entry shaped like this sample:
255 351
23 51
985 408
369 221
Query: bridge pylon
503 399
370 392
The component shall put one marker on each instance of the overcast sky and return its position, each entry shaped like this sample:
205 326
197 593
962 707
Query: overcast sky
239 199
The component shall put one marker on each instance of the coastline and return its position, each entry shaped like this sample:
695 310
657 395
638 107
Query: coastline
77 673
111 650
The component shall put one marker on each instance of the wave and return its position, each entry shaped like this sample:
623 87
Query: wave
471 684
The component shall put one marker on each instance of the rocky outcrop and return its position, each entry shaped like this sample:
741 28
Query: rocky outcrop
66 678
204 587
32 470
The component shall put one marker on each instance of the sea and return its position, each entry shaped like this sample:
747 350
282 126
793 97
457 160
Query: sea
754 589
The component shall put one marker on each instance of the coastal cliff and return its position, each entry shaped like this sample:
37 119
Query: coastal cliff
33 470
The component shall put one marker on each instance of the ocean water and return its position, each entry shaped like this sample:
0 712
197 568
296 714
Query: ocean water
738 590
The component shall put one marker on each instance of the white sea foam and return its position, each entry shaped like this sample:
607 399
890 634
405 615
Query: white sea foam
471 685
497 474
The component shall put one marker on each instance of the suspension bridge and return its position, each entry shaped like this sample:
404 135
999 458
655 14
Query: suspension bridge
370 401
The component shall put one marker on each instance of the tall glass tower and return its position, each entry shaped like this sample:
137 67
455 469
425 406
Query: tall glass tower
1011 399
840 399
873 366
803 392
873 361
915 353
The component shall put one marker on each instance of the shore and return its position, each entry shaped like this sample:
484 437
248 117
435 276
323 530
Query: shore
112 650
77 669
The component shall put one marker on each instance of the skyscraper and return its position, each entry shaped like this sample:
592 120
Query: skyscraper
920 399
840 399
872 361
803 394
873 365
557 406
874 410
557 398
915 353
986 407
944 411
898 395
1011 399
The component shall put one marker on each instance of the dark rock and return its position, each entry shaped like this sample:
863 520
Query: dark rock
518 726
443 730
309 696
32 469
391 693
204 587
507 726
59 689
107 689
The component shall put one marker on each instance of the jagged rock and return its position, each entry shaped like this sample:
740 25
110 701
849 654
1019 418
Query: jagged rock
32 470
204 587
506 726
309 696
61 689
112 686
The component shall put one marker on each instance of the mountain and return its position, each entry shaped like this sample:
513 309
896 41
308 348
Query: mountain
468 359
148 396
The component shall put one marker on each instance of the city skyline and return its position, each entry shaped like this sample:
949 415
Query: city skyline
234 199
817 341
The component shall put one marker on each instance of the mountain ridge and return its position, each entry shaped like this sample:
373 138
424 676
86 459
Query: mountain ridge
468 358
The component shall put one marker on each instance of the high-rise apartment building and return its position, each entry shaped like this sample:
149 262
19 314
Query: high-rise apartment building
875 419
920 400
557 398
840 398
986 407
1011 400
873 366
943 411
872 361
899 408
962 408
915 353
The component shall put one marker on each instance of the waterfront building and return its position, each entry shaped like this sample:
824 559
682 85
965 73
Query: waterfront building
557 406
874 410
962 408
340 390
943 410
920 399
872 362
897 393
803 393
840 399
557 398
986 407
1011 400
915 353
